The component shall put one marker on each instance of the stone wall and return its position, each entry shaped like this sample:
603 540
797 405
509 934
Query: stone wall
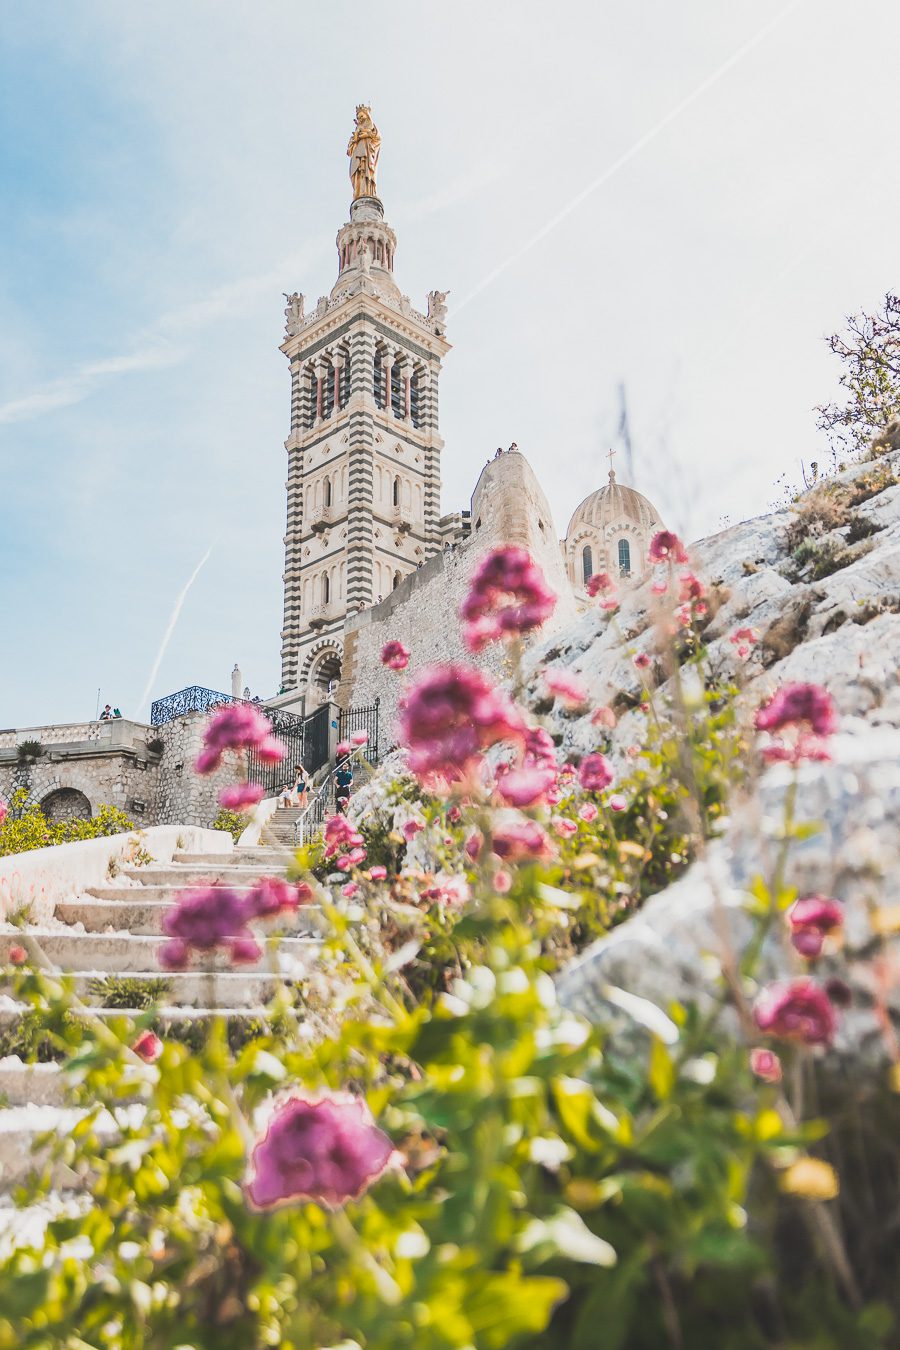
508 507
183 797
110 763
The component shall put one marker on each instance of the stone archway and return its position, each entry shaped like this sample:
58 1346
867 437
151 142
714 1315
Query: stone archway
66 804
322 672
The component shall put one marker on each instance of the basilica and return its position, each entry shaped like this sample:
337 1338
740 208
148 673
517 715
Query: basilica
365 534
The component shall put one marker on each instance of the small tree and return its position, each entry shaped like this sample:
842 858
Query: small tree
869 348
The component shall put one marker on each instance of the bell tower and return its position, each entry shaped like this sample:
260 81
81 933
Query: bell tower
363 478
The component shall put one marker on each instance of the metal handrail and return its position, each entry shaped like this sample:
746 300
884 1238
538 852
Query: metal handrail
319 799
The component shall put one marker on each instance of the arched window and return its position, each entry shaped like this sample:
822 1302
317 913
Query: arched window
327 491
624 557
326 589
396 580
397 490
587 563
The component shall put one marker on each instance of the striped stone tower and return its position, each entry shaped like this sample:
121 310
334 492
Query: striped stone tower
363 480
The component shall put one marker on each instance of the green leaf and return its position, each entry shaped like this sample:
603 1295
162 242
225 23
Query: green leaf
661 1070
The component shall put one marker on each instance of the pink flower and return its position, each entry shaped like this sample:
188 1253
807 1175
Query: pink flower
394 655
473 844
568 688
359 738
204 918
800 1011
446 889
589 812
659 587
342 748
148 1046
410 828
378 872
603 717
743 637
271 897
617 802
599 583
800 718
594 774
610 604
240 726
449 716
326 1148
642 660
765 1064
241 796
525 787
17 954
666 547
454 815
340 834
4 810
502 881
690 588
563 827
522 839
350 889
811 919
507 596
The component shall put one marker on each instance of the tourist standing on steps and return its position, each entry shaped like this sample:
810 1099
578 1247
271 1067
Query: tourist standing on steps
301 787
343 779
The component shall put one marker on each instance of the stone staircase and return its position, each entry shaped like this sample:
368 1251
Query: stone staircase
108 940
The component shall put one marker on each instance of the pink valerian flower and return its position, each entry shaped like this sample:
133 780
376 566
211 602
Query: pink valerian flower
4 810
507 596
743 639
594 774
521 787
340 835
342 748
800 718
812 919
502 881
666 547
603 717
564 827
799 1011
241 796
378 872
454 815
349 890
765 1064
522 840
589 812
351 860
617 802
271 897
17 954
394 655
570 689
601 583
410 828
446 889
449 717
204 918
690 589
358 739
472 846
642 660
240 726
325 1148
148 1046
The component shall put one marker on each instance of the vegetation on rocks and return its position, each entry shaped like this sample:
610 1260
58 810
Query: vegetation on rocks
421 1146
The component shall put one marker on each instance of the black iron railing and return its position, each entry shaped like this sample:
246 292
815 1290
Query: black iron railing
361 719
193 699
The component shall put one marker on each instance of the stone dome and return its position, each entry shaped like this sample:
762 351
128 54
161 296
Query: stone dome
612 504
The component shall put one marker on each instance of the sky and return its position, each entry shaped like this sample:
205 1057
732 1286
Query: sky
682 199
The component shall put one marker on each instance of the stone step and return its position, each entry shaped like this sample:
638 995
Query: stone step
38 1084
167 1014
125 952
20 1127
237 990
244 857
136 914
179 875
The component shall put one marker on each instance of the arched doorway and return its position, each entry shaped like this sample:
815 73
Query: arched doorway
325 676
66 804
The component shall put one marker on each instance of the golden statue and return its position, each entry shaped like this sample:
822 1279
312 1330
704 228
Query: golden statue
364 148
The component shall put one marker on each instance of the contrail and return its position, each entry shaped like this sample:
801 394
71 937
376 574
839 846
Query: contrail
630 153
170 628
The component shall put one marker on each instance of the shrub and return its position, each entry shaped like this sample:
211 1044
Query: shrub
233 822
26 827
